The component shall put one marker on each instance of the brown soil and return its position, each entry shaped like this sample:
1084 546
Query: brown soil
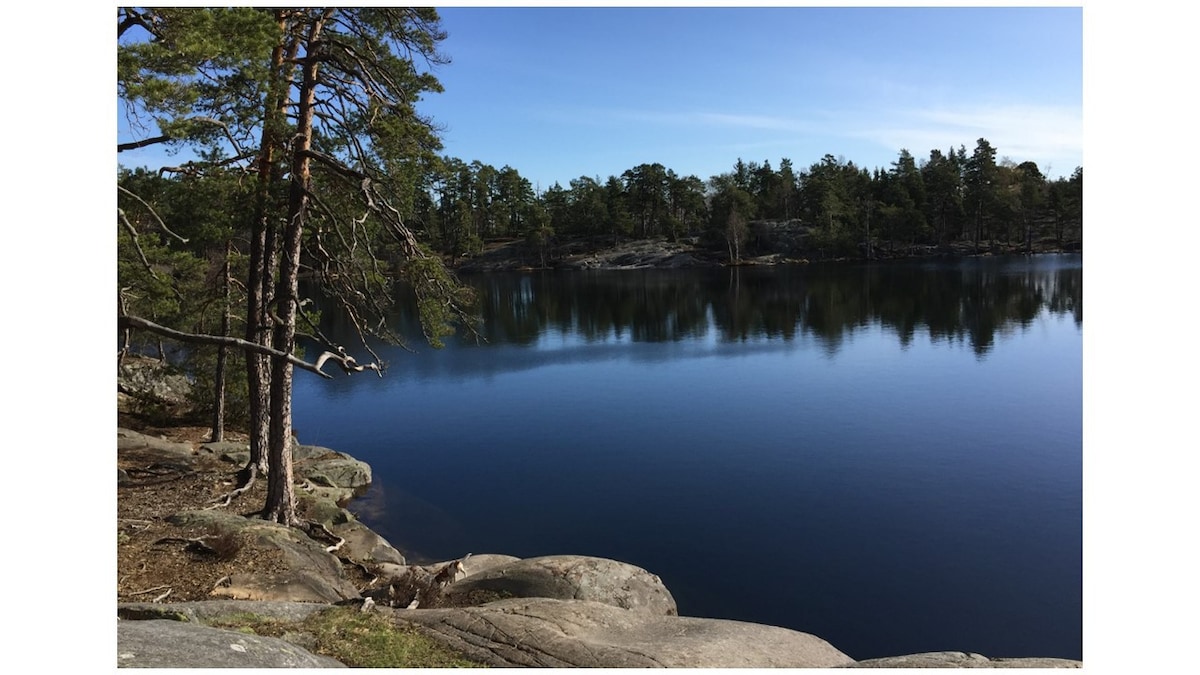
154 557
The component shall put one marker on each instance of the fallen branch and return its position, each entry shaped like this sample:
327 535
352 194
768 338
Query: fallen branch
149 590
162 597
157 481
198 543
136 522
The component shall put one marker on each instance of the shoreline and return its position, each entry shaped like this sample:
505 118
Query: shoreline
661 253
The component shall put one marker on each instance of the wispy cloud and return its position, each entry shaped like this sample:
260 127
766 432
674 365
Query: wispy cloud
708 119
1040 133
1051 135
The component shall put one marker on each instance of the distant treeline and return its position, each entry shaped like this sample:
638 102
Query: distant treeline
844 210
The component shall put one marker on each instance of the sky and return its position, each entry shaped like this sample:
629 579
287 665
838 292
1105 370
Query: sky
559 93
563 92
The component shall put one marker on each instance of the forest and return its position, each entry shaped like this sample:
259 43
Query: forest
311 168
845 210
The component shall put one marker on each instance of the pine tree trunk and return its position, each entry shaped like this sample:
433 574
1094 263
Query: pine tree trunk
281 493
217 433
263 258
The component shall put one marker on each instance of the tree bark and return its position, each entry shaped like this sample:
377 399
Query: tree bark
263 258
281 494
218 422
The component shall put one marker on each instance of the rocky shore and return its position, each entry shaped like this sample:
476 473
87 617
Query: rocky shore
784 241
185 563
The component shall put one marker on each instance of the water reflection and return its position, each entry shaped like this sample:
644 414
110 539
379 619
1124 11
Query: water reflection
958 301
703 418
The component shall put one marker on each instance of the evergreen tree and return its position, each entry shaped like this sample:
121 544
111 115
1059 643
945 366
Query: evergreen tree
329 94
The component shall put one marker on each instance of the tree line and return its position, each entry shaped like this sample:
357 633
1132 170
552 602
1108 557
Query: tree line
313 173
951 197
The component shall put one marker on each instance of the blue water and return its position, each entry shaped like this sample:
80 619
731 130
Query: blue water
887 456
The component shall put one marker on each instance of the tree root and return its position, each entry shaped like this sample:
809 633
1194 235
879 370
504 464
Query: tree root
228 497
224 547
162 473
196 544
324 535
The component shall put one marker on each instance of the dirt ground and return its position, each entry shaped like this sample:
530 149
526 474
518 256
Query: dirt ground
155 559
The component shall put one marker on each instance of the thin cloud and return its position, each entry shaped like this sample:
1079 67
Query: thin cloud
693 118
1022 132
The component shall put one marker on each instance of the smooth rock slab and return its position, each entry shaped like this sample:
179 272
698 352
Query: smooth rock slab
207 611
132 440
572 577
337 472
962 660
174 644
542 632
483 562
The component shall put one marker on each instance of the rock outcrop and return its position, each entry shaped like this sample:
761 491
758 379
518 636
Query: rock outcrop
153 635
961 660
545 632
571 577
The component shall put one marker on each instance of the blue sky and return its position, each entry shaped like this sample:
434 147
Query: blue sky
562 92
559 93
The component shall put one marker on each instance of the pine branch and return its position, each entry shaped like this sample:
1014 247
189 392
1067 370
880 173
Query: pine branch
129 321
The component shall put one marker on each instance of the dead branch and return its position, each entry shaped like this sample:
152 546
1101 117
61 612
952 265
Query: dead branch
136 244
144 524
347 362
149 590
162 597
149 208
129 321
160 480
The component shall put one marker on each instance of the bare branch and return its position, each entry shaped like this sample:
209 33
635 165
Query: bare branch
149 208
134 235
164 138
129 321
347 362
122 147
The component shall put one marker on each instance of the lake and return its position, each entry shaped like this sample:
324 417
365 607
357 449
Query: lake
888 455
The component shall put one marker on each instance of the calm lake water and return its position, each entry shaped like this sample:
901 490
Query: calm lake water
888 456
